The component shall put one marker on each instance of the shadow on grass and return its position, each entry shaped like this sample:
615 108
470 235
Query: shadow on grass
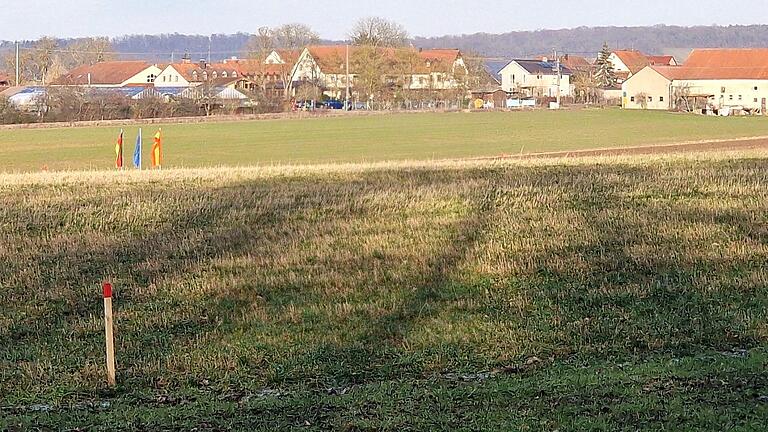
239 283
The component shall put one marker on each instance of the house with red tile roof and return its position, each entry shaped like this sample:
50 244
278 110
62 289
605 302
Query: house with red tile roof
629 62
709 78
111 74
283 57
428 70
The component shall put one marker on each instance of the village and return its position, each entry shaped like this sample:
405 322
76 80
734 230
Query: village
708 81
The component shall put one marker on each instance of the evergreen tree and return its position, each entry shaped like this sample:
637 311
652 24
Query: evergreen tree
604 73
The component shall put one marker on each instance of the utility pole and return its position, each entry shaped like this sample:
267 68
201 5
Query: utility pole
559 76
17 65
347 81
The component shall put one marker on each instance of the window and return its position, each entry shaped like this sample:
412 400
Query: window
513 78
730 97
176 78
194 75
755 88
234 74
755 100
205 76
739 97
661 98
151 78
214 75
650 98
224 74
632 99
163 78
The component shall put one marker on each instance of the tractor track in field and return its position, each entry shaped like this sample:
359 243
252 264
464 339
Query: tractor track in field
752 143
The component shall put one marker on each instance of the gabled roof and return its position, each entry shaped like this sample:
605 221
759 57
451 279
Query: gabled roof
289 56
539 67
662 60
448 55
574 62
671 72
332 58
634 60
194 72
720 64
742 63
104 73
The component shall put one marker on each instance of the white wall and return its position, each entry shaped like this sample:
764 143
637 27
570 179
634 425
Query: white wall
514 76
618 65
141 77
737 92
170 77
653 87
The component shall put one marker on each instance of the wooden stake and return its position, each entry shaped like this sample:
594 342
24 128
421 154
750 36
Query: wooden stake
110 334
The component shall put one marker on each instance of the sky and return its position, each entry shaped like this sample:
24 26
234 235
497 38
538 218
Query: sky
30 19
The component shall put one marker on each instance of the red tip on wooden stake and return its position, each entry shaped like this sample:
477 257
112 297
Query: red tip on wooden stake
107 290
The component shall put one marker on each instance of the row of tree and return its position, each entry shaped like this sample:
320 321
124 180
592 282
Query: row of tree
47 60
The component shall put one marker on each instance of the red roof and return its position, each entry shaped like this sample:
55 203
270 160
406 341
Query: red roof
332 58
289 56
741 63
720 64
664 60
634 60
672 72
576 63
104 73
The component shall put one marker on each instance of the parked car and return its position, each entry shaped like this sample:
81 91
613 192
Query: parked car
333 104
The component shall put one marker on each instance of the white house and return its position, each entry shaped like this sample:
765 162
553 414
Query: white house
629 62
429 70
536 78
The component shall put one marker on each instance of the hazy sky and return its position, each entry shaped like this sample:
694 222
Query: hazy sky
29 19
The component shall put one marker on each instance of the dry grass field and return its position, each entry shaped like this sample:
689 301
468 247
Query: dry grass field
595 294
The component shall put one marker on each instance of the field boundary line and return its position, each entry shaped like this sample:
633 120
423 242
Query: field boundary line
761 140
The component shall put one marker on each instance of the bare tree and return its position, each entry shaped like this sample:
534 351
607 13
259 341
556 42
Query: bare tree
261 44
288 37
89 51
37 63
642 99
294 36
586 85
43 57
378 32
372 67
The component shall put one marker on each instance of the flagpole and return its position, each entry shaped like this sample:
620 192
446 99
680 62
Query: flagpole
120 156
141 144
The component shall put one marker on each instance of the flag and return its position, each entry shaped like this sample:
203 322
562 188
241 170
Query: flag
157 150
119 151
137 152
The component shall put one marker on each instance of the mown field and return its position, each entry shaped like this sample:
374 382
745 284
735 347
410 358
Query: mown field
601 294
368 139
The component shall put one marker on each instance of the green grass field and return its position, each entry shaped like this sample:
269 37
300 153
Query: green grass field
367 139
600 294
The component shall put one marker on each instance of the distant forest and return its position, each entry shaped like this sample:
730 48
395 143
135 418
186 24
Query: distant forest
584 41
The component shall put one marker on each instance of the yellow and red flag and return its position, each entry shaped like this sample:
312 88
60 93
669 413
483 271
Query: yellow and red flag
157 150
119 151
